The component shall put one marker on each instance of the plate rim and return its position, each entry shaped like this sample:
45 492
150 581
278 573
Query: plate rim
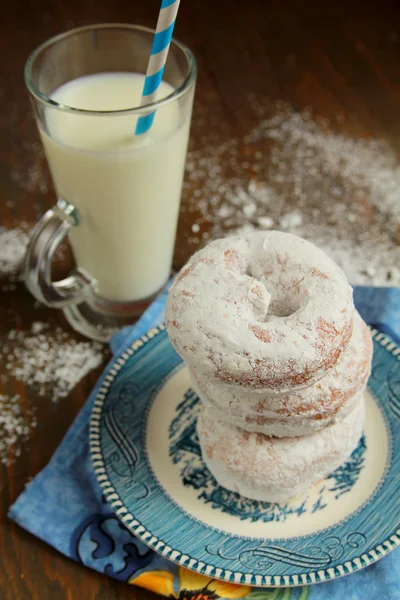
130 522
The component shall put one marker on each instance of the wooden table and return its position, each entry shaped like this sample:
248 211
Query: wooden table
335 57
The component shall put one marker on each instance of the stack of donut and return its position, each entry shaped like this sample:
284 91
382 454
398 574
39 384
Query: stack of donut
279 358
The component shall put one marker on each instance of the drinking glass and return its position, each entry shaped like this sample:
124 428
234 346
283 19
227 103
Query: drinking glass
118 194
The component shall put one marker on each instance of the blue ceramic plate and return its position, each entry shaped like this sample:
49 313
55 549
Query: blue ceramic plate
147 459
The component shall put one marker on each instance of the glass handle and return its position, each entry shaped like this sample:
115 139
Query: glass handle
46 238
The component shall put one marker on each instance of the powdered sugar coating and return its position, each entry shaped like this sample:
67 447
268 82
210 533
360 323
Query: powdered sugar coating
276 469
266 310
300 412
295 427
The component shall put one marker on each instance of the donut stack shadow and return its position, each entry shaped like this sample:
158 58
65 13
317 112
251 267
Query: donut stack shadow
279 358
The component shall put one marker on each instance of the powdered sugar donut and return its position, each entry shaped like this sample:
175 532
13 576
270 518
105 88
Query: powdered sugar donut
275 469
300 412
267 311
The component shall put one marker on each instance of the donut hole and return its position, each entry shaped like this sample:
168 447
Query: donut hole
281 307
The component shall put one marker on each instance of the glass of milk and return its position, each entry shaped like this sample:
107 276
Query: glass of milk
118 193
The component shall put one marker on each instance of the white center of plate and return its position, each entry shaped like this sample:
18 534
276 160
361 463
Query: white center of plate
292 524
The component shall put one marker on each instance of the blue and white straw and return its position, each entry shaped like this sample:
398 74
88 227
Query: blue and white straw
158 58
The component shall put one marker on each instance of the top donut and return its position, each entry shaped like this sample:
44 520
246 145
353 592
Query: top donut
268 310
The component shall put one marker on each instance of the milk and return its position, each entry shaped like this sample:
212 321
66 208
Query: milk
126 189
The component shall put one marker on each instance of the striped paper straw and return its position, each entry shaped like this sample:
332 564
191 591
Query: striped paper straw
158 58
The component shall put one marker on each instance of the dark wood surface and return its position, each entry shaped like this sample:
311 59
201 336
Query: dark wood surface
335 57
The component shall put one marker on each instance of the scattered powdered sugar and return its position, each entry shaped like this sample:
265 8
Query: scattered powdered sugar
13 243
15 428
299 174
49 360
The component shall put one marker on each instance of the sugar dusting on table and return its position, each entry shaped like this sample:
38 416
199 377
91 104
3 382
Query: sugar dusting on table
15 428
13 243
50 363
295 173
49 360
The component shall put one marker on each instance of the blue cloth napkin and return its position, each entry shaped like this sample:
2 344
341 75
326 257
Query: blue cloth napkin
63 504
